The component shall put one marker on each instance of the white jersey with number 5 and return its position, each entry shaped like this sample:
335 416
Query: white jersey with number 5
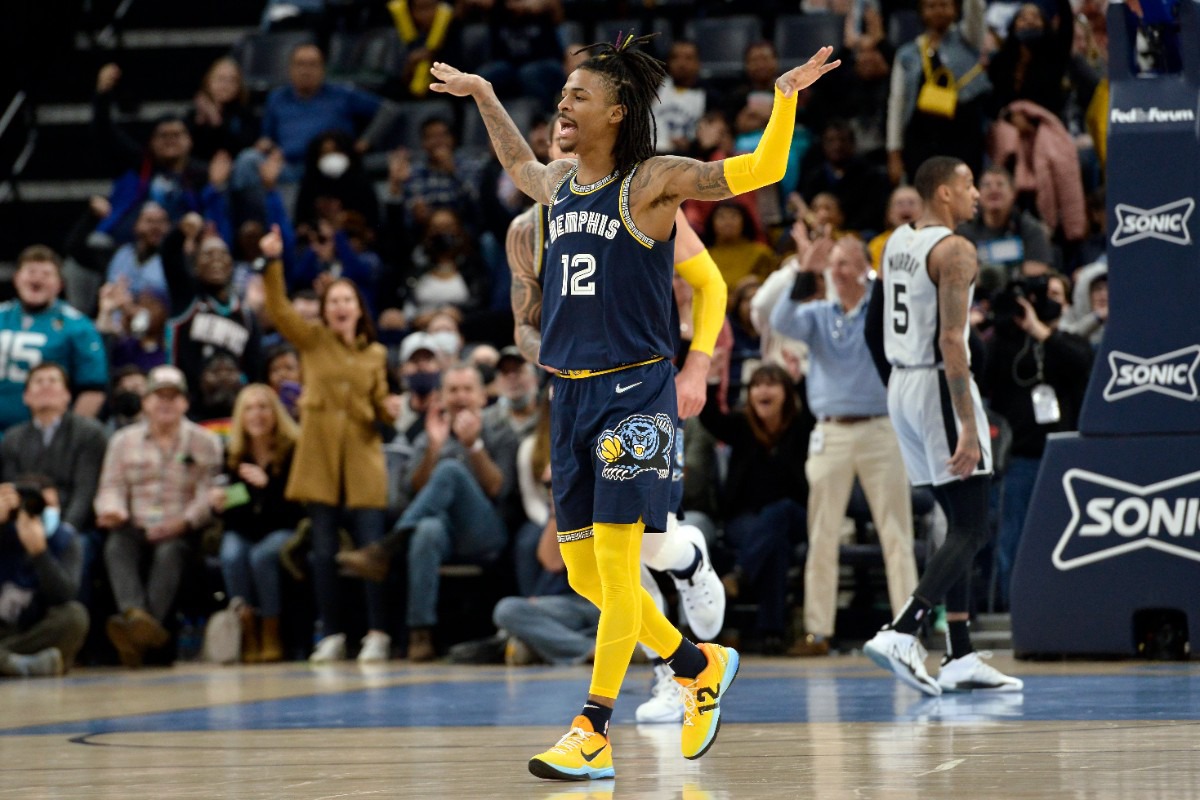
911 297
919 402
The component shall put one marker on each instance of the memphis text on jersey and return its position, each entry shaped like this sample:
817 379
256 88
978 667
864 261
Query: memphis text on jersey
592 222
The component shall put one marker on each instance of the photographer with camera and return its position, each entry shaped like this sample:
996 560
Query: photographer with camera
42 627
1036 378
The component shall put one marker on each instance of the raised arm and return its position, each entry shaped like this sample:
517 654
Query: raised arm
298 331
526 294
952 267
530 176
677 178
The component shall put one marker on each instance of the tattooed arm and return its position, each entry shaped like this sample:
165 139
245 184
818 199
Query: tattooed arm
526 293
670 179
952 266
530 176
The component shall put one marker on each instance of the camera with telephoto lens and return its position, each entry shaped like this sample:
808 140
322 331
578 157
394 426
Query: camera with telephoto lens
33 502
1006 308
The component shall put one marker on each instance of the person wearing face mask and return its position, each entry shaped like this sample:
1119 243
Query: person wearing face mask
334 173
206 316
853 437
444 328
1035 378
125 401
39 327
296 114
133 328
42 626
1033 58
446 268
517 389
420 372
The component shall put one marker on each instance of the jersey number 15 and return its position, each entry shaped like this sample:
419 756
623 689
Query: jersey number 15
583 267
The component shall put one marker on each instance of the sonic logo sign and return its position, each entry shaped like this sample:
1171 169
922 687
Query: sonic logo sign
1110 518
1172 374
1167 222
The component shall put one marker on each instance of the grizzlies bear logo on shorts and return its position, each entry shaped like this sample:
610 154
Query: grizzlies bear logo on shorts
640 443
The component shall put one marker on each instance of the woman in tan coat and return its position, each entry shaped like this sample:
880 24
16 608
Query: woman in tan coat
338 469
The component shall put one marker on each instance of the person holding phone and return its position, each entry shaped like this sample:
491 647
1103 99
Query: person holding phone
258 518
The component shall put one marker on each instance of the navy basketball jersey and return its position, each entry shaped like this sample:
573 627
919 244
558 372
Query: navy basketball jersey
607 287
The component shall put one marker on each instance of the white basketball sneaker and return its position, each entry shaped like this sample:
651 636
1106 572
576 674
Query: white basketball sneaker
665 703
903 656
330 649
702 595
972 674
376 648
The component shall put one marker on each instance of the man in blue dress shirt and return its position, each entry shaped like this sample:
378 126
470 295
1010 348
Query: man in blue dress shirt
853 437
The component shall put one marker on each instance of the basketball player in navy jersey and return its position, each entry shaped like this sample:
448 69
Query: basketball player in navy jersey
681 551
606 330
928 281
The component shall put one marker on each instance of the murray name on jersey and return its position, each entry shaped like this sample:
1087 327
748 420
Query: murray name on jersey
904 262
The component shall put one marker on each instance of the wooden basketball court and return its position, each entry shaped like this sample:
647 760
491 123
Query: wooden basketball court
834 728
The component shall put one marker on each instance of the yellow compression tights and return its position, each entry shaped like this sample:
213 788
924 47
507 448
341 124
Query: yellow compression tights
606 569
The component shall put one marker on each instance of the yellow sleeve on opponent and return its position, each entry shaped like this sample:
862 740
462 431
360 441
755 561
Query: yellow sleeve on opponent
708 301
768 162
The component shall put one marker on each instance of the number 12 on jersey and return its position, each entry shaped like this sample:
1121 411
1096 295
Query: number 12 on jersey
577 271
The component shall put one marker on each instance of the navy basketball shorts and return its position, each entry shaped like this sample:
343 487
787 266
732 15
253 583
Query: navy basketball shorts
613 449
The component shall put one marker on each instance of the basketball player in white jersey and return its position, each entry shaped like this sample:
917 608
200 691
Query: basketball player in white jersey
928 282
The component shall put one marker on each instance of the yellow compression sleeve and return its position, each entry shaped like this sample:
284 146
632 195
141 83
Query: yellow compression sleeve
708 300
768 162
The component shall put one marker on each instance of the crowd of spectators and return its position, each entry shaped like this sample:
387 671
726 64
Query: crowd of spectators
183 403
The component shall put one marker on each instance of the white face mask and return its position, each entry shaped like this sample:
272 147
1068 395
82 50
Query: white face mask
447 342
51 518
140 322
333 165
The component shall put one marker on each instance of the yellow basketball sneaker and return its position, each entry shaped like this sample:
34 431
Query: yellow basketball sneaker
581 755
702 699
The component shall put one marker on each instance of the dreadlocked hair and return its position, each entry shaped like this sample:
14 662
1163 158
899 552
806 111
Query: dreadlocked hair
634 76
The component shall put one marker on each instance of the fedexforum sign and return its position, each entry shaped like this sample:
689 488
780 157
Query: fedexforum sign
1153 114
